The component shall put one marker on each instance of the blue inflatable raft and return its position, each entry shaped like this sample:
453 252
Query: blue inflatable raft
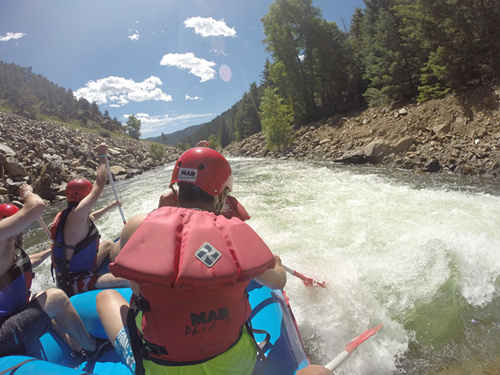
270 312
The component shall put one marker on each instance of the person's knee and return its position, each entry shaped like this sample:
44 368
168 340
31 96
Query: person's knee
104 299
56 302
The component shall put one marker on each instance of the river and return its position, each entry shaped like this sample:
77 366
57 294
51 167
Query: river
417 253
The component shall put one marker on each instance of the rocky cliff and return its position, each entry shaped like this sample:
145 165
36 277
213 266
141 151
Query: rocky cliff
453 135
47 155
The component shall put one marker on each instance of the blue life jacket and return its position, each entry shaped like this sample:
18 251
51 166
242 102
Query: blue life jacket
15 285
84 256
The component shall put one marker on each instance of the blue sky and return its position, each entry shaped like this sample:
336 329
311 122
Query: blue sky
173 63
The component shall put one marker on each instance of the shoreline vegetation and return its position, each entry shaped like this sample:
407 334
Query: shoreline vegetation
450 135
439 136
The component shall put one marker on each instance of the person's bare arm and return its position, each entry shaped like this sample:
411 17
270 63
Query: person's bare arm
314 370
84 208
129 228
168 200
38 258
31 211
275 277
97 214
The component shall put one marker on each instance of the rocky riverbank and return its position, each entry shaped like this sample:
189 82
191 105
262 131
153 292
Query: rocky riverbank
47 155
453 135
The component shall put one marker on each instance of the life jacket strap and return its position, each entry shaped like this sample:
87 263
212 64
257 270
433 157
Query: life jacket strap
21 265
263 346
135 340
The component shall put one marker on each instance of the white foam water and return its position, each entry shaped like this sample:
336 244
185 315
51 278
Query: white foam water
420 258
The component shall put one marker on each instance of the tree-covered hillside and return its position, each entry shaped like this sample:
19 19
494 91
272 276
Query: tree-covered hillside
396 51
33 96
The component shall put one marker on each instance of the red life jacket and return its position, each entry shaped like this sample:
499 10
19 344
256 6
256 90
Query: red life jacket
192 268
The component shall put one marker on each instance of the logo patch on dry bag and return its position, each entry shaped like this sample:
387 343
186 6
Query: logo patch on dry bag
208 255
187 174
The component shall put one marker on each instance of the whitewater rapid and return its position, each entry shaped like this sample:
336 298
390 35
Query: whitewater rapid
417 254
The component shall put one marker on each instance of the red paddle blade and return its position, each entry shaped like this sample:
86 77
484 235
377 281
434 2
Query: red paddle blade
362 338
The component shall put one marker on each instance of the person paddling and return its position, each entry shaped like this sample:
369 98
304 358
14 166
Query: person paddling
231 208
77 251
189 267
25 317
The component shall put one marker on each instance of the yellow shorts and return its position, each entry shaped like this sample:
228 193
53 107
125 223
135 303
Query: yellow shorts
238 360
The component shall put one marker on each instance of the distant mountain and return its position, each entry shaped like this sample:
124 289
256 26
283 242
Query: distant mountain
34 96
181 136
238 122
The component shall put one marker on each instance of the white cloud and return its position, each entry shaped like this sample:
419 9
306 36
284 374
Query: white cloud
192 98
118 91
188 61
9 36
134 36
207 26
155 125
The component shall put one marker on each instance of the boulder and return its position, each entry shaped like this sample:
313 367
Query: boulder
323 141
131 172
377 149
117 170
432 166
403 145
353 157
442 128
14 168
6 150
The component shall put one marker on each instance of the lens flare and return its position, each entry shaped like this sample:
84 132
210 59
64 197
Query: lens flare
225 73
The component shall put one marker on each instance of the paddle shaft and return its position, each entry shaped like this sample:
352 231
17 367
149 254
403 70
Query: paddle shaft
110 175
308 281
340 358
44 227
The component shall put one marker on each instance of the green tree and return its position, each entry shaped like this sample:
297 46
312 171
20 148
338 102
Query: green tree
157 151
313 64
463 36
287 26
393 52
277 120
247 121
133 127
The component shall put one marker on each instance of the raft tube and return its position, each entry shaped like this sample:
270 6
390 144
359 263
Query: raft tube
271 312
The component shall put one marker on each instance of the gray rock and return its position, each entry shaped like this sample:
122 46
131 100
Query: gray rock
353 157
403 145
117 170
432 166
14 168
377 149
6 150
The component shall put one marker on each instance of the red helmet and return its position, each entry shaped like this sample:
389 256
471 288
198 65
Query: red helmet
7 209
205 168
78 189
